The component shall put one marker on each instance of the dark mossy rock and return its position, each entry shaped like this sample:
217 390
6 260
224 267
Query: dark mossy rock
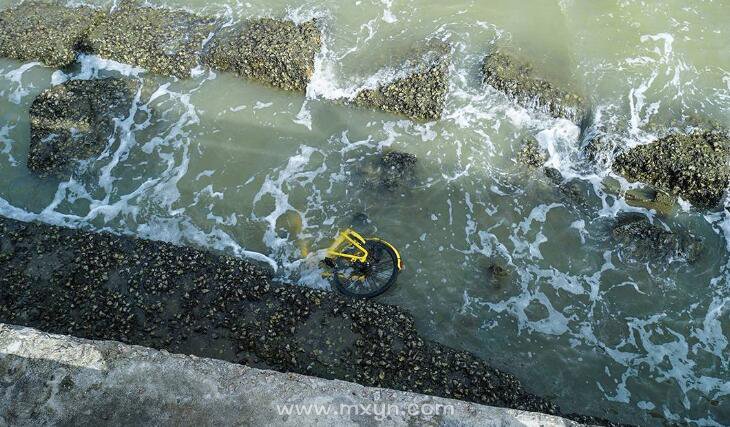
390 171
45 31
163 41
531 154
396 168
576 192
421 94
74 121
693 166
498 271
643 241
517 79
277 52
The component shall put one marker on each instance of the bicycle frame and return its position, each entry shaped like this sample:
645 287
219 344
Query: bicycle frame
350 237
345 239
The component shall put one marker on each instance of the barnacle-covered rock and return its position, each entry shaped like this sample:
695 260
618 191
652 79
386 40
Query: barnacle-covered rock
692 165
531 154
163 41
74 121
277 52
204 303
421 93
517 79
45 31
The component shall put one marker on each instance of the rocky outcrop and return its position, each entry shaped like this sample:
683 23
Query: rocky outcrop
45 31
693 166
421 93
103 286
517 79
60 380
644 241
74 121
277 52
160 40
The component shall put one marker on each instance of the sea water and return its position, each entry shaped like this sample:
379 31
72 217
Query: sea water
215 161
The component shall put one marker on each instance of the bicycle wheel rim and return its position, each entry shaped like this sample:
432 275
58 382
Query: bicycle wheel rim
379 277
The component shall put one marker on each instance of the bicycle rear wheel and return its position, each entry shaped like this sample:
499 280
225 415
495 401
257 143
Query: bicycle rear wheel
371 278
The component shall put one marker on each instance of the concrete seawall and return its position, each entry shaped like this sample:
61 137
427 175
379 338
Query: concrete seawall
57 379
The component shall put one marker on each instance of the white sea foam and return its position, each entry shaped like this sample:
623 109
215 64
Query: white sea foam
7 143
92 65
15 78
388 15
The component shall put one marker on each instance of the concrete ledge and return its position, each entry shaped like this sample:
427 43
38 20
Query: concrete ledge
56 379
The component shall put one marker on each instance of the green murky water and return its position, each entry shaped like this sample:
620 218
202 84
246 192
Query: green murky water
220 159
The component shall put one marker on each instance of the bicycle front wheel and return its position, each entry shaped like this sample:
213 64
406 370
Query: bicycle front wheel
371 278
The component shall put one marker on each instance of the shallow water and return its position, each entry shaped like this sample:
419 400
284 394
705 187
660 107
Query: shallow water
214 161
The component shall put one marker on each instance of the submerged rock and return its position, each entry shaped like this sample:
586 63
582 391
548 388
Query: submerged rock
650 198
531 154
643 241
162 41
516 79
693 166
644 197
391 170
498 271
45 31
74 121
277 52
396 167
421 93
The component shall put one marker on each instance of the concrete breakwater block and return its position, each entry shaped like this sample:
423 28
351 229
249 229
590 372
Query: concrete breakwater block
161 40
74 121
518 81
62 380
277 52
690 165
103 286
48 32
417 92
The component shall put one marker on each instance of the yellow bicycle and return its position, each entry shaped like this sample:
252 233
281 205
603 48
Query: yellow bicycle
363 267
